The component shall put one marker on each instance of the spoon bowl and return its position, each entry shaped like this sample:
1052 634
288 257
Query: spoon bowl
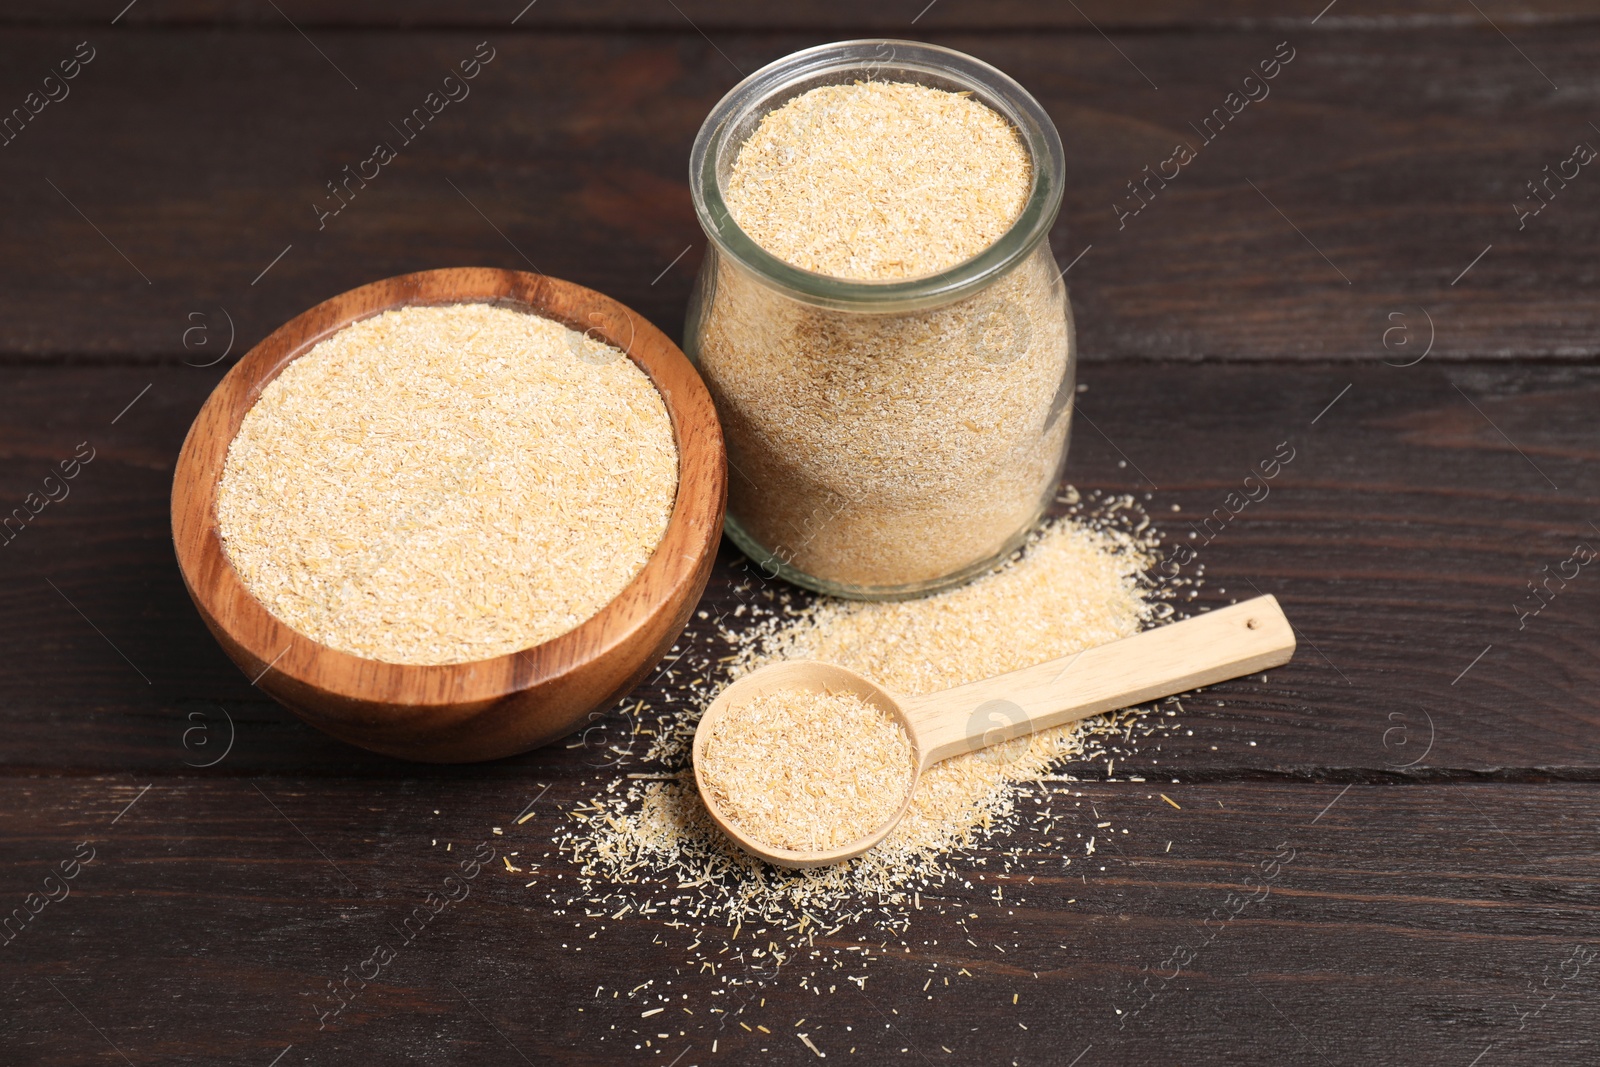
812 677
1210 648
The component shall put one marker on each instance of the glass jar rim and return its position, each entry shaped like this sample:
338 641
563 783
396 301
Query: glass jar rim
783 79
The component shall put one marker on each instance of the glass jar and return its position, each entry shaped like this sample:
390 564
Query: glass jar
886 439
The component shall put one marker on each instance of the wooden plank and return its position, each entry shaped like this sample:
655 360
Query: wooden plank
1380 177
1256 923
900 18
1399 538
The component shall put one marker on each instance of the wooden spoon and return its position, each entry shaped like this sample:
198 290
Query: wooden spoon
1206 649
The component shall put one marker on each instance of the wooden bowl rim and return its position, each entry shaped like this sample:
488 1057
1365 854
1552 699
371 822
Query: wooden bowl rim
231 608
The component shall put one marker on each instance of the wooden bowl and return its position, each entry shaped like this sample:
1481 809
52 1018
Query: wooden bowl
490 708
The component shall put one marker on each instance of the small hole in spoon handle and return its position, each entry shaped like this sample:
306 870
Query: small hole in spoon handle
1253 624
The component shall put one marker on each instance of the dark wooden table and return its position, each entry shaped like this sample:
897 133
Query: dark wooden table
1352 264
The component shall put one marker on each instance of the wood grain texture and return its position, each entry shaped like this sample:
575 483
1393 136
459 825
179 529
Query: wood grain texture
484 709
1428 757
900 18
1399 540
1405 925
1397 152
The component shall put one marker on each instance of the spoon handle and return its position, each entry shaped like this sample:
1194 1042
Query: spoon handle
1203 650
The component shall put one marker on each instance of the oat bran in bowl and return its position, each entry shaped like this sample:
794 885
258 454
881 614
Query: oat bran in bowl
447 515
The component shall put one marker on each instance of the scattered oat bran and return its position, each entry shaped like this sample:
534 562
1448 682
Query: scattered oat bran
806 771
1078 584
1072 589
879 180
886 450
643 848
447 484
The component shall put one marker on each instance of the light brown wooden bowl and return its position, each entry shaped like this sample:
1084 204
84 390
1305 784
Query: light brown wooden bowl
490 708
